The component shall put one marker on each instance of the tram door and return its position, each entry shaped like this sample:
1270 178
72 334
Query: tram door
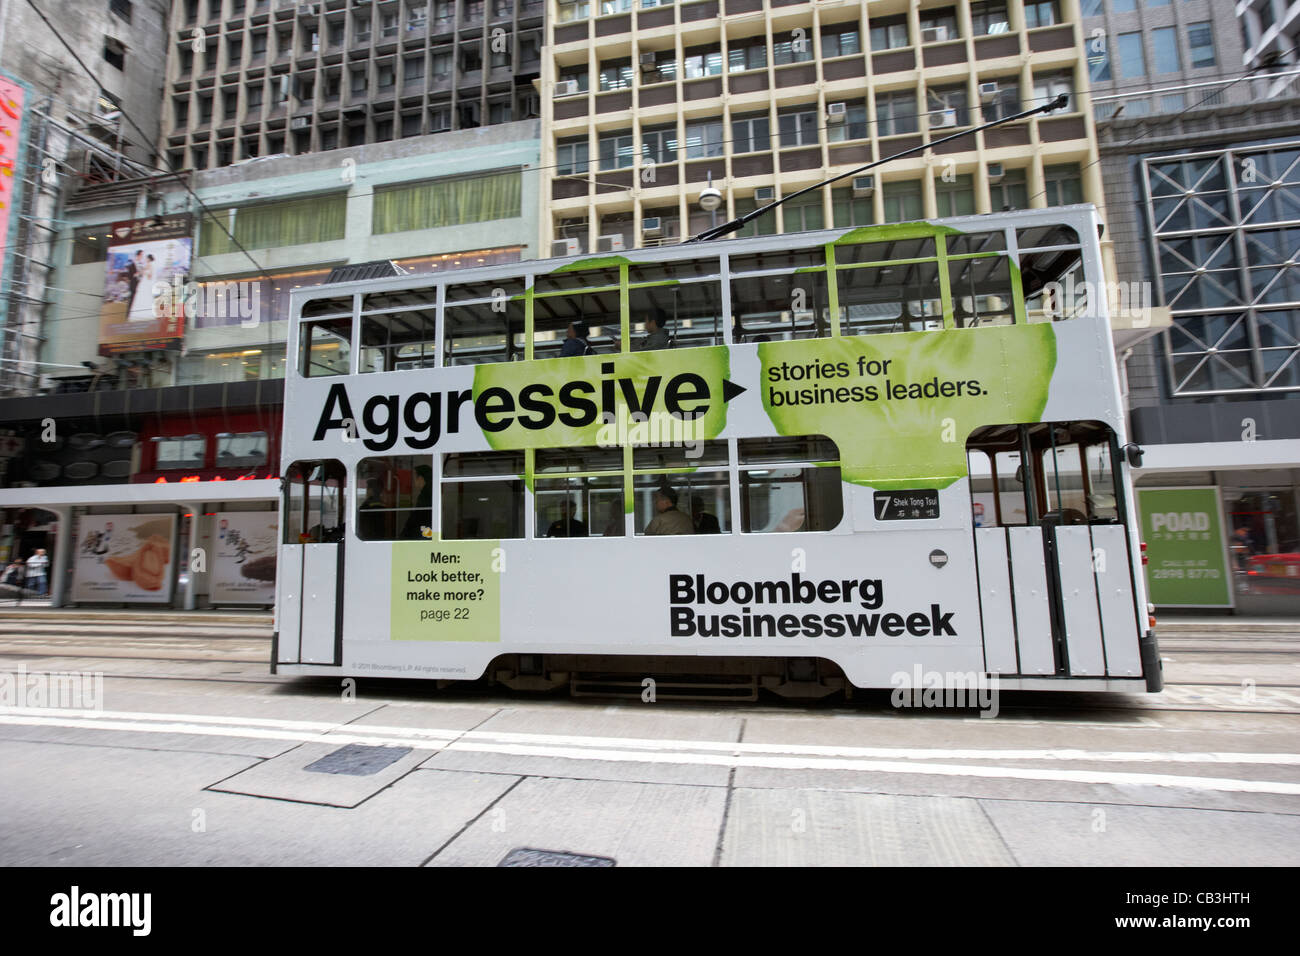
1057 594
310 574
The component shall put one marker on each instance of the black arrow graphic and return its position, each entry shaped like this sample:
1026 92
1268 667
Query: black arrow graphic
730 390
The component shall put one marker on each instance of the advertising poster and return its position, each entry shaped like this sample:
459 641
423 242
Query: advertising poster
1187 562
126 558
144 293
242 565
13 127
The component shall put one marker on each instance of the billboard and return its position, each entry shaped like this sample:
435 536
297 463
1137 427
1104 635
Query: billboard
13 135
148 260
125 558
242 570
1187 557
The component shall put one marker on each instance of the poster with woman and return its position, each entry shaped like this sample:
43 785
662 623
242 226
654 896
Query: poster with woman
148 262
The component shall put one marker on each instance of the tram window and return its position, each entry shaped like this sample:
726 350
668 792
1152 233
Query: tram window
884 250
703 503
482 509
903 297
1053 234
704 454
484 332
241 450
981 291
599 311
569 281
585 459
1102 499
673 270
592 505
778 495
397 498
793 305
976 242
326 347
398 340
333 305
314 502
485 289
690 312
996 488
482 464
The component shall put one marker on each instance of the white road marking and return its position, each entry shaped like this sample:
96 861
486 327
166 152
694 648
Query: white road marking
639 750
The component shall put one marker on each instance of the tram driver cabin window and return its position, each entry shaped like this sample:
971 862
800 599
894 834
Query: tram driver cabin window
325 337
315 494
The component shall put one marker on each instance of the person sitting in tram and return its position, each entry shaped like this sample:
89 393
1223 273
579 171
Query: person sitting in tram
576 342
567 526
667 519
656 326
705 523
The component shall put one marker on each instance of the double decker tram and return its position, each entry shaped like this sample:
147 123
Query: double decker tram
804 463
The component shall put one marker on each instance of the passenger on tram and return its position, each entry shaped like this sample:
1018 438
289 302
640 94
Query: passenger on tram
567 526
576 342
667 519
371 524
422 516
705 523
656 326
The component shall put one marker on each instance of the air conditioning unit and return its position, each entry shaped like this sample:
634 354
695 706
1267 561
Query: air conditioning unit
566 88
996 172
863 186
308 10
565 247
988 92
765 194
648 63
942 119
934 34
612 243
300 122
835 112
652 228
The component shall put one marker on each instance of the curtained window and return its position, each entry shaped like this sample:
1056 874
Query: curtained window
447 202
267 225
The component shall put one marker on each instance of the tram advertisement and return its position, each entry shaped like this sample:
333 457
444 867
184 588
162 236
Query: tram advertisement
1187 556
125 558
447 590
244 557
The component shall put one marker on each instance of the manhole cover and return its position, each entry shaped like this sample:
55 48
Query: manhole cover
524 856
358 760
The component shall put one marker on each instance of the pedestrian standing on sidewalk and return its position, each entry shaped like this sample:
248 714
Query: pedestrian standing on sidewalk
37 565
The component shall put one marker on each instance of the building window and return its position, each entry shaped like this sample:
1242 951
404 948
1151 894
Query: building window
764 225
617 150
410 124
441 64
413 69
991 17
1011 193
804 214
358 82
383 130
254 95
703 139
616 75
229 103
1048 86
120 9
1042 13
1164 43
903 201
751 133
571 156
895 113
447 202
185 451
1132 61
956 198
499 112
471 59
888 33
939 25
575 74
1200 42
1005 102
439 119
849 211
385 76
942 100
659 144
743 56
792 51
571 10
180 111
853 124
273 224
841 40
1063 185
701 61
114 53
799 128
